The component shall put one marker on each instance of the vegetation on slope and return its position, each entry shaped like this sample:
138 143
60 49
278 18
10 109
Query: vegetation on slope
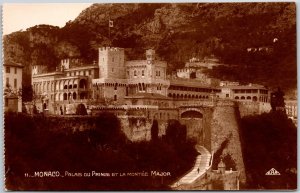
38 144
270 141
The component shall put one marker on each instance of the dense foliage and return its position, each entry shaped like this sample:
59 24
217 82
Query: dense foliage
38 143
270 141
178 32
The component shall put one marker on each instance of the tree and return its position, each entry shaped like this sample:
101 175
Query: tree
65 49
27 93
154 130
81 110
175 132
277 100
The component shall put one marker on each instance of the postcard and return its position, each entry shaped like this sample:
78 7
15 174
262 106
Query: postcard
150 96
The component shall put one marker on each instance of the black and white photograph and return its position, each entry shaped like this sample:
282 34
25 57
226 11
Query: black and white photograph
149 96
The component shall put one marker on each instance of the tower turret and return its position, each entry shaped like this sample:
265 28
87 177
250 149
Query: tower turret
111 62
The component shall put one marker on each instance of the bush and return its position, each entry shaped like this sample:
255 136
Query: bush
154 130
81 110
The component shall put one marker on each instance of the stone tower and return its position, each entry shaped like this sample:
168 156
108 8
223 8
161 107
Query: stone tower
150 56
111 63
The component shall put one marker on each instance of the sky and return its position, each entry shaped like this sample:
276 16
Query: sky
20 16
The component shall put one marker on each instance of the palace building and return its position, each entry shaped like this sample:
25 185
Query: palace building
12 84
115 81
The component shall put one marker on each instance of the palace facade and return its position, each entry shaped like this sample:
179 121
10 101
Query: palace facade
113 81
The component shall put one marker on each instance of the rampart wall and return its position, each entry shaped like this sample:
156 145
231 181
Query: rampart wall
224 126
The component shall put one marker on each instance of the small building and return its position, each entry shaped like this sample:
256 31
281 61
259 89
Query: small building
12 85
250 92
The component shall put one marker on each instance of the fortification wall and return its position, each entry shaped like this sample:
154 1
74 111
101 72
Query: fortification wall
253 108
139 129
224 126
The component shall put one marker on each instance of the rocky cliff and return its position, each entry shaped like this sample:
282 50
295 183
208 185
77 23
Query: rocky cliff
178 32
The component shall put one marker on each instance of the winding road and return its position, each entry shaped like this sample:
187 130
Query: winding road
202 164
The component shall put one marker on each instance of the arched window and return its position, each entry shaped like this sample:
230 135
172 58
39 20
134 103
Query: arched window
65 96
242 97
74 95
237 98
255 98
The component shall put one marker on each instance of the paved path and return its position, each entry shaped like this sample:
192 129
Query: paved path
202 162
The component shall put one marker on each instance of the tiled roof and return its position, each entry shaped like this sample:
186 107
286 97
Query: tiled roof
13 64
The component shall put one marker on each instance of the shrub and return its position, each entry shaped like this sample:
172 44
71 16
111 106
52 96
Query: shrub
81 110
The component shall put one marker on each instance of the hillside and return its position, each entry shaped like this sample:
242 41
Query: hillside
178 32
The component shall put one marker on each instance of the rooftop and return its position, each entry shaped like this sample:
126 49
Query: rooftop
248 86
13 64
148 95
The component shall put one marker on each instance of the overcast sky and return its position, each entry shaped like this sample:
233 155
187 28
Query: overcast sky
17 16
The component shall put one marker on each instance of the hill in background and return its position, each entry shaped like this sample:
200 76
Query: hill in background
178 32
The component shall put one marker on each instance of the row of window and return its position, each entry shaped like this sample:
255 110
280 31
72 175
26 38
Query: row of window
8 69
254 98
15 83
135 73
195 89
83 73
187 96
112 59
250 91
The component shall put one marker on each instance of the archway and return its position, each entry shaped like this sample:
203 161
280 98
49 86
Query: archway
82 83
191 114
255 98
193 120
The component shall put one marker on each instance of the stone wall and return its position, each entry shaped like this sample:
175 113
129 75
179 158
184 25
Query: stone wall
253 108
224 125
139 129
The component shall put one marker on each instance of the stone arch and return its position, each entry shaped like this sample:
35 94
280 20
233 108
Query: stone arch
248 97
191 114
61 85
57 96
75 83
61 97
242 98
237 98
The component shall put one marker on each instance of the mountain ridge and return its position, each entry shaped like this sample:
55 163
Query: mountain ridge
177 32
